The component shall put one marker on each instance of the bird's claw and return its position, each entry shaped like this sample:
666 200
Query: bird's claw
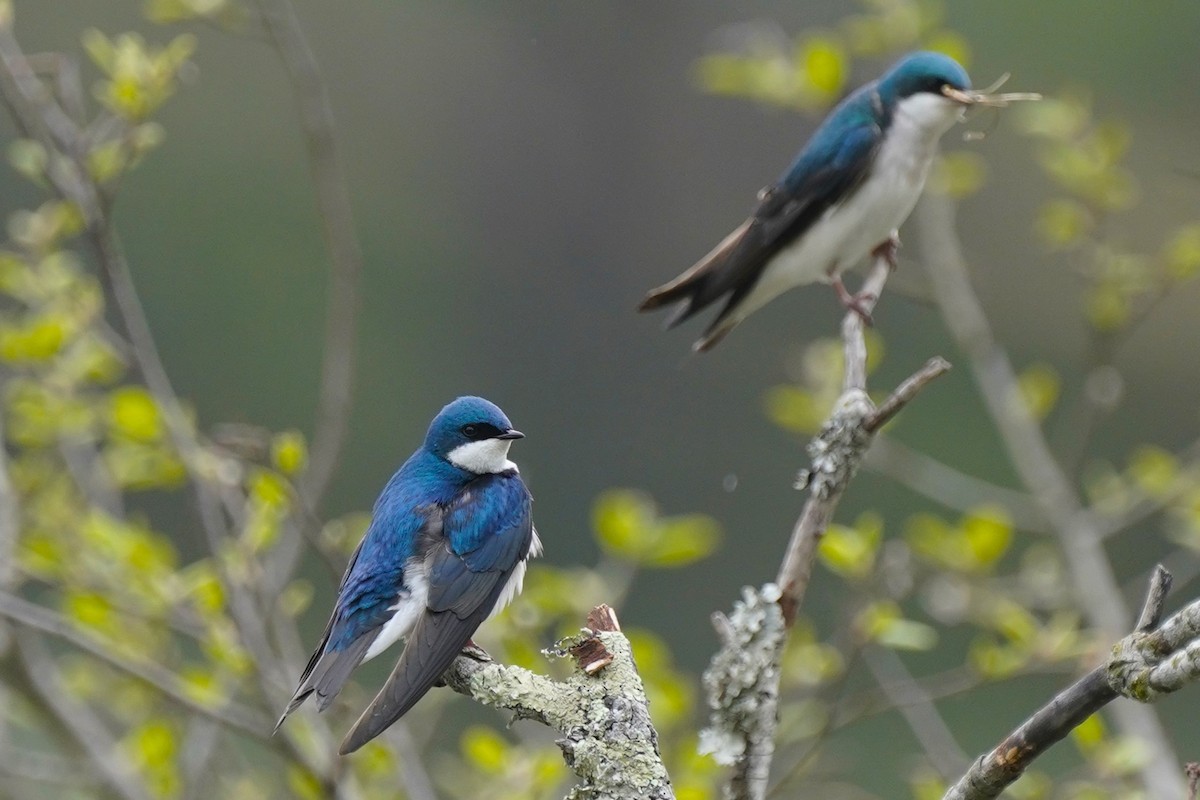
475 652
856 302
888 249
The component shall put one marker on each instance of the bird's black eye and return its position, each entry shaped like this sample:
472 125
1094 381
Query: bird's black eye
478 431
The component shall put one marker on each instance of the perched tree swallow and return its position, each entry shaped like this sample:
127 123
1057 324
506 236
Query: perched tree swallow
843 197
446 548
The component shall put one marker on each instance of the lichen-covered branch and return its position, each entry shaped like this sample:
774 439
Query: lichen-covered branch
601 710
742 681
742 686
1143 666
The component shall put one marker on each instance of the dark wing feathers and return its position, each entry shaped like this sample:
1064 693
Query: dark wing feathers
352 626
817 181
442 635
465 581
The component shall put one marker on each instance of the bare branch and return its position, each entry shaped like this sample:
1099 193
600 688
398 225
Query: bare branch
85 728
10 521
1143 666
917 708
943 484
742 687
38 618
1078 533
906 391
337 222
1156 596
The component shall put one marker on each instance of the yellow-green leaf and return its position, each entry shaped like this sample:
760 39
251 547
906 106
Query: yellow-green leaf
485 749
289 452
1182 252
1089 734
1154 470
1063 222
988 531
850 551
133 413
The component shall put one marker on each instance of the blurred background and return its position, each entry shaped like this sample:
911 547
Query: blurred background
522 172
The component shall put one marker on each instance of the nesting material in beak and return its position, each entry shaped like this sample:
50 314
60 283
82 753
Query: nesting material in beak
986 98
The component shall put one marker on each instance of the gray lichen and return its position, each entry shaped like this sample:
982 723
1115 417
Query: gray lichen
608 738
742 688
1145 666
838 449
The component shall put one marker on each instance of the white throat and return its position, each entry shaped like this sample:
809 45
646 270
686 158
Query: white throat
919 120
488 455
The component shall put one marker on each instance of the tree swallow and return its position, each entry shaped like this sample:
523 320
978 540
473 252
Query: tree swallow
843 197
446 548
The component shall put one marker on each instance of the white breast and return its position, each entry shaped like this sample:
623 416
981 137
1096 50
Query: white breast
847 232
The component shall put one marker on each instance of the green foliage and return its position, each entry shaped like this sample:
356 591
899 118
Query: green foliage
91 446
1039 385
974 545
811 72
628 526
851 551
227 13
802 406
138 78
1084 160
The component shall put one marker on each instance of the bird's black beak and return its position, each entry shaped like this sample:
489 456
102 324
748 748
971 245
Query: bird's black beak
511 434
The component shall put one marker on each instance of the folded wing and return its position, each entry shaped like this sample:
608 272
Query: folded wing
487 533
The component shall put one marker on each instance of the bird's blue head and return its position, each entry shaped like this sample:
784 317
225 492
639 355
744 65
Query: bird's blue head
925 72
472 434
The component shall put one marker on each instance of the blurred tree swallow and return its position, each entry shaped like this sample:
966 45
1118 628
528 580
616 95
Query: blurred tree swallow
843 197
446 548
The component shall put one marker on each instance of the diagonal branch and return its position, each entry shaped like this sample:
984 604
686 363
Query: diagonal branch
742 680
87 729
337 223
1143 666
1091 572
947 486
37 618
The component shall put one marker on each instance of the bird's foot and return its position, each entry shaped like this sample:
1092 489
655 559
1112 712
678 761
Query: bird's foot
855 302
475 652
887 249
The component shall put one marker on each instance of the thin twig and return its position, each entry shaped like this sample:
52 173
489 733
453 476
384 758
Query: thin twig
1131 670
30 765
947 486
1091 572
846 420
38 618
337 221
10 519
742 680
906 391
918 710
85 728
413 777
1156 596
